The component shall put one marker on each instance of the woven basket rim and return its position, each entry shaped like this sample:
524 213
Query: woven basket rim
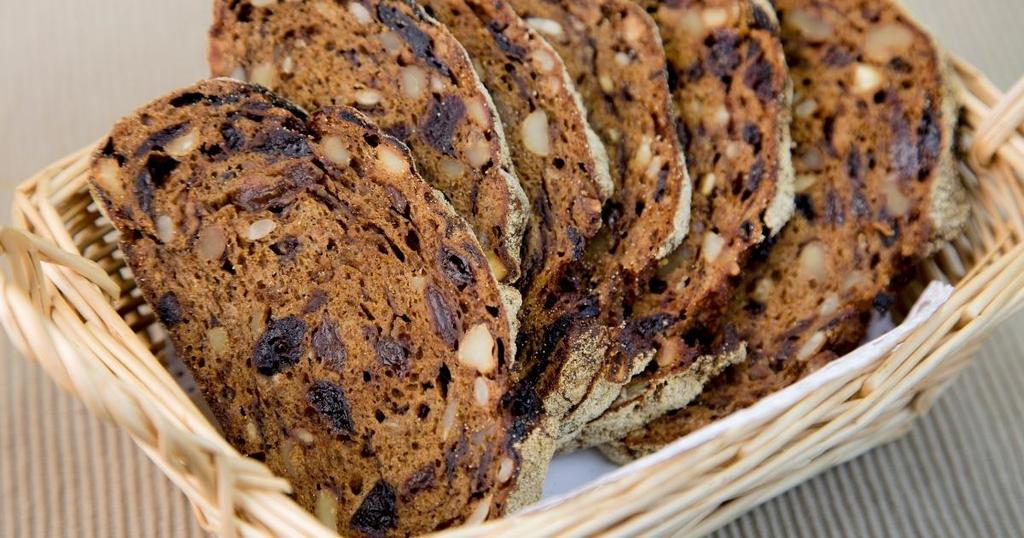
56 307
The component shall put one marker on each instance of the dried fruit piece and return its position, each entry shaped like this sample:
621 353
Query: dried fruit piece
378 513
280 346
327 345
329 400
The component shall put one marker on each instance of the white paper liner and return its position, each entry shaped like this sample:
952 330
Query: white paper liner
572 474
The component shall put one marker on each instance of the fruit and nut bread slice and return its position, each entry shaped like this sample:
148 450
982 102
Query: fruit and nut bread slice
614 55
338 316
560 162
873 138
729 81
405 71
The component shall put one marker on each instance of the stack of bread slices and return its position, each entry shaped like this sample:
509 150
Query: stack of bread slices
411 251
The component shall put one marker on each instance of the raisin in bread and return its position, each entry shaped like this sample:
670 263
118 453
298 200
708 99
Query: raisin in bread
729 80
408 73
873 138
613 52
339 317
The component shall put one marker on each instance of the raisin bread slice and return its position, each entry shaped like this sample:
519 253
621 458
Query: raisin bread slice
408 73
563 367
560 162
339 317
877 187
729 79
613 52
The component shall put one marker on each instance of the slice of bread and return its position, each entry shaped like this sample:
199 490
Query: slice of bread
873 131
560 162
405 71
339 317
729 80
569 366
614 55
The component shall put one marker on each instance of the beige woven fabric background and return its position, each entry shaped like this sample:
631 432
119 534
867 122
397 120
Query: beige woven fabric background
69 68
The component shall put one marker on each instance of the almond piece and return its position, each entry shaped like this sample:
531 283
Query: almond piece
895 201
545 26
183 145
451 411
107 177
643 154
481 392
303 435
505 469
164 229
414 81
804 182
806 108
811 346
476 110
480 512
712 246
476 349
218 339
707 183
812 261
260 229
451 169
498 268
336 151
391 42
368 97
478 150
359 13
392 161
884 42
829 305
264 74
535 135
714 17
543 60
327 509
211 243
866 78
809 24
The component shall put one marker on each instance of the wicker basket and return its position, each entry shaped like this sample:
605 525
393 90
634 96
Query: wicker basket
70 305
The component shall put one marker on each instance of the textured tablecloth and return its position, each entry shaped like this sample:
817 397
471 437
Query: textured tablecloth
69 68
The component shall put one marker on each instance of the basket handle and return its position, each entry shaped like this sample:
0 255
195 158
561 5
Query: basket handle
1001 122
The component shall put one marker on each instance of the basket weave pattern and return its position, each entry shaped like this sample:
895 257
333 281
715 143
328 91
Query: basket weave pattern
71 305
